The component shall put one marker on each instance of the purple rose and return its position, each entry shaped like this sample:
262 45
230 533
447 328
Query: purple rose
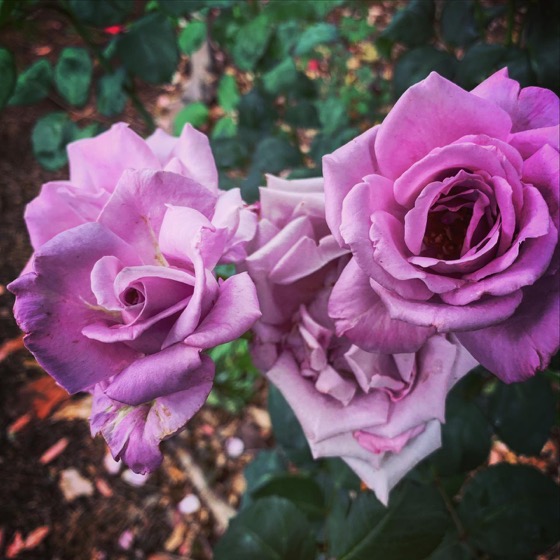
450 210
124 306
380 412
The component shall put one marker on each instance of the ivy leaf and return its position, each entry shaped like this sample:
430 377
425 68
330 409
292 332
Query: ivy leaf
72 75
228 93
317 34
193 113
33 83
50 135
251 42
111 97
192 37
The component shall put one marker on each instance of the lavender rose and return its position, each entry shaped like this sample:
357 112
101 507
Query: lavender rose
96 165
380 412
450 210
124 307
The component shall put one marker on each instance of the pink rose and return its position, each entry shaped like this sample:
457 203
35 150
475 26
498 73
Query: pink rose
450 210
380 412
124 307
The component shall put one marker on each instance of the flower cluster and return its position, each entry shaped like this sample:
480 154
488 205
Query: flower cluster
431 245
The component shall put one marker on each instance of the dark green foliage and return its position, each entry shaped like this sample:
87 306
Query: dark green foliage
72 75
270 529
511 511
149 49
523 413
33 84
111 96
101 13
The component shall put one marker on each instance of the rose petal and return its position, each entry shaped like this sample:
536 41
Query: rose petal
426 117
57 298
533 332
343 169
360 315
237 300
168 371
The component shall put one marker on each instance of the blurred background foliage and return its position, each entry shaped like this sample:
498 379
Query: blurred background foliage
276 85
290 80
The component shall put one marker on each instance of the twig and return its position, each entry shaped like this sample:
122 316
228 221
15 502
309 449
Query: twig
221 511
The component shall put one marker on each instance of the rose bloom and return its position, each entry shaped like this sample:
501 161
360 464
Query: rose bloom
124 305
450 210
381 412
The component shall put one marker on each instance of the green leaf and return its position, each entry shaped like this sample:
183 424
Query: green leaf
225 127
270 529
355 30
452 549
287 429
415 65
315 35
101 13
341 475
302 115
458 23
465 435
479 62
523 413
192 37
50 135
8 73
149 49
228 93
251 42
33 84
274 155
262 468
281 78
412 526
511 511
111 97
301 490
72 75
194 113
412 26
333 114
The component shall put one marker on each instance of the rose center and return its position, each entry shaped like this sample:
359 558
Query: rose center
445 233
132 296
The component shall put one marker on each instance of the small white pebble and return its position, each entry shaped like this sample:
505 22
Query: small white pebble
134 479
189 504
73 485
234 447
111 466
